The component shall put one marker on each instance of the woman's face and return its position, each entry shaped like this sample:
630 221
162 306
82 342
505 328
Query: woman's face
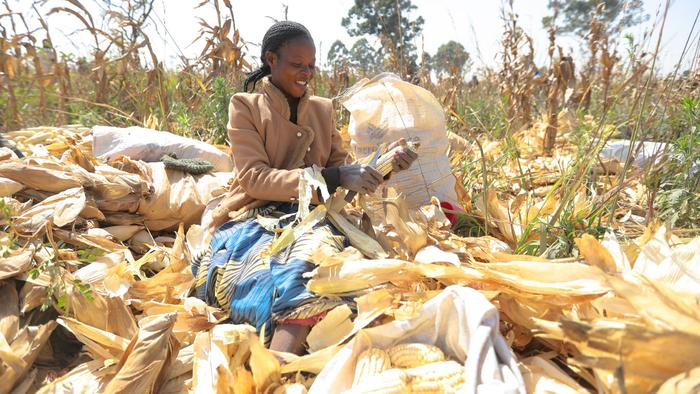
293 66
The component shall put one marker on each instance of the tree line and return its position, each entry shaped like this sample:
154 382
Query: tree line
386 32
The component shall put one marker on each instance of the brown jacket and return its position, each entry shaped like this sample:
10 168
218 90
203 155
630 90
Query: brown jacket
269 151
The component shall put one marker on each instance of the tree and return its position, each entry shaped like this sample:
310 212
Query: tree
577 15
338 54
364 58
450 58
389 21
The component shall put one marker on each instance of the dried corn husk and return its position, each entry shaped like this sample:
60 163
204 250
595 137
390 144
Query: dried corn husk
101 344
39 174
331 330
144 365
361 241
9 187
123 233
62 209
26 345
9 311
543 376
15 264
87 378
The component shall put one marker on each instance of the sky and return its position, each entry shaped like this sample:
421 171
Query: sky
476 24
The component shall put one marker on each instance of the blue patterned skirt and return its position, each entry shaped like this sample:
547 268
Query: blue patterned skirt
259 291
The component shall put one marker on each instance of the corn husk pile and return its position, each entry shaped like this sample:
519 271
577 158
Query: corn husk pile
92 305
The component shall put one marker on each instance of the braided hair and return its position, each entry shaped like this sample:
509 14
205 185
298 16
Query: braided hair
276 37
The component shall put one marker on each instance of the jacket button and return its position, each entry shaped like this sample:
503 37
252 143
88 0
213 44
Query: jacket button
298 133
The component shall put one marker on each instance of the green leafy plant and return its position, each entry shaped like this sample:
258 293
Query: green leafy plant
678 197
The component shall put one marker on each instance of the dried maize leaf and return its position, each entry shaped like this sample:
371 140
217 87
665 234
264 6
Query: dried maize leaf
543 376
9 310
556 279
107 190
118 279
95 272
361 241
16 264
192 317
396 215
263 365
31 296
313 362
523 311
8 356
120 320
90 211
86 240
144 365
87 378
9 187
128 203
596 254
675 266
34 176
291 233
163 287
92 312
123 218
661 309
608 345
178 260
243 381
101 344
431 254
77 156
123 233
327 255
358 275
142 242
501 217
208 356
26 384
176 385
685 382
331 329
27 346
182 364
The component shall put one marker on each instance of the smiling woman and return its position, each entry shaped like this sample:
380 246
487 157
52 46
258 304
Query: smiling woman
274 136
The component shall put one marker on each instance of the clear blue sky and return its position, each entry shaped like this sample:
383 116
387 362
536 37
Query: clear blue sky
476 24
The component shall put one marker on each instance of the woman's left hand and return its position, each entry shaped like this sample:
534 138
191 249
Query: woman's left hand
403 158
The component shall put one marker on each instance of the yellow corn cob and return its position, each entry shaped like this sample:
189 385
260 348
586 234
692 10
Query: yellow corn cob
371 362
409 355
439 377
391 381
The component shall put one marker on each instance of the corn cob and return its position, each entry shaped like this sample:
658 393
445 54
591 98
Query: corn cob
371 362
391 381
409 355
385 162
439 377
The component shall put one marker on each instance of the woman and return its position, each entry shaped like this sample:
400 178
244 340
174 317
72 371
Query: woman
274 135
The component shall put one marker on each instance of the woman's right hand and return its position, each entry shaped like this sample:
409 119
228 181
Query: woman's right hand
360 178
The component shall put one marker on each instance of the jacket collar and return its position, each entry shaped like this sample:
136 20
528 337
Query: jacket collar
279 102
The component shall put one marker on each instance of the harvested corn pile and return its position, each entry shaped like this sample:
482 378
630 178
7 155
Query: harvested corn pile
96 288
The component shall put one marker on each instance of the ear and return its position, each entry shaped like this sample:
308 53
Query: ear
271 58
